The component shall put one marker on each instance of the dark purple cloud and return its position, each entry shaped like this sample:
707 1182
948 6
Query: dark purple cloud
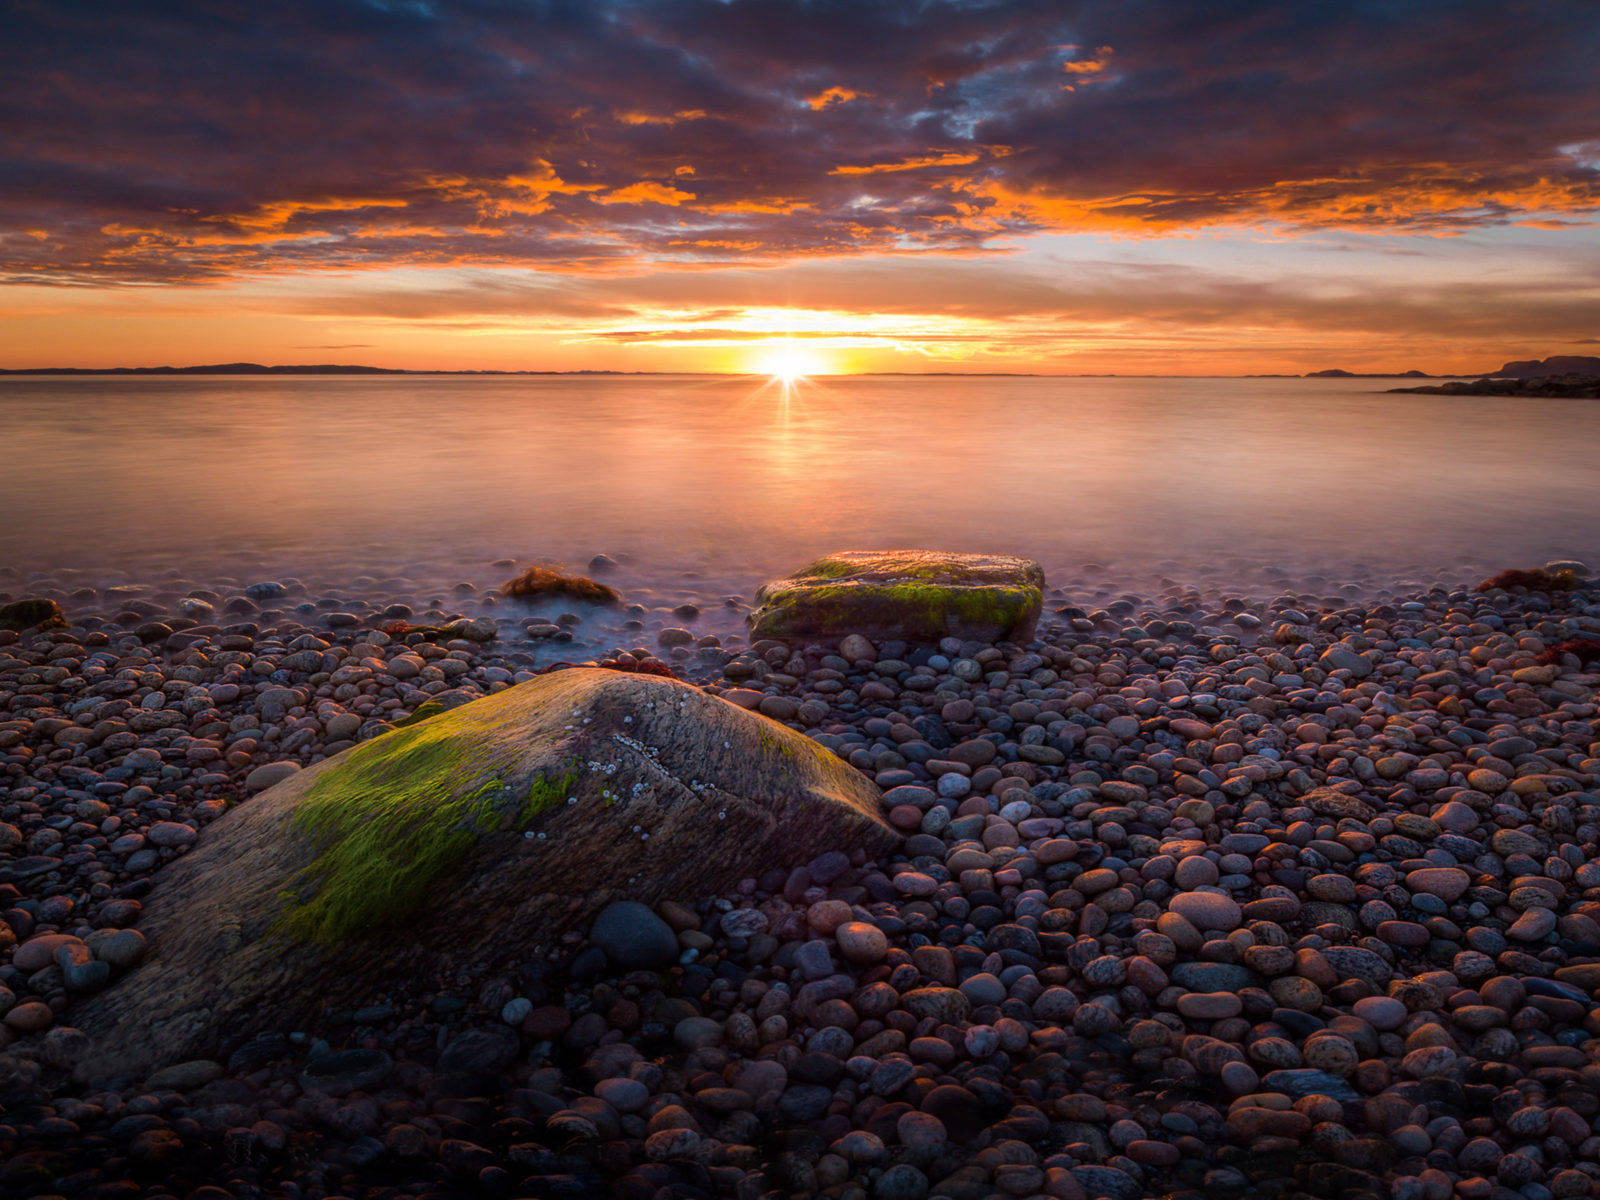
179 141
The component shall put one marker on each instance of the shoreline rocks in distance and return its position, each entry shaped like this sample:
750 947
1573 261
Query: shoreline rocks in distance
1552 387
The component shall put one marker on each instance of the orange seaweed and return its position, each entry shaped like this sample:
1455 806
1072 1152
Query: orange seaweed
537 582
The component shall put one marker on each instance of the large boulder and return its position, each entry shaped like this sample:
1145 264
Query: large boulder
909 595
469 838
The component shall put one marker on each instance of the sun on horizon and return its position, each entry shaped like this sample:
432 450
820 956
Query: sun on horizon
789 364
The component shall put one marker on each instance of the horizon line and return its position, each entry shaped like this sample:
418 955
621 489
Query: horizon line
244 368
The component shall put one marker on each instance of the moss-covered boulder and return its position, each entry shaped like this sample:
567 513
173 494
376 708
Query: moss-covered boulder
468 838
910 595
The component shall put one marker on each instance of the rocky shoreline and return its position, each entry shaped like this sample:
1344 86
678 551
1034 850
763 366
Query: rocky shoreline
1549 387
1198 894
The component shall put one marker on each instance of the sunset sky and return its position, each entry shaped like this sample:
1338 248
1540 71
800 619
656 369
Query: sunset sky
1114 186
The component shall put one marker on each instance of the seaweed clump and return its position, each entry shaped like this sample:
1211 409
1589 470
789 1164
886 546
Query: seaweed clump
1585 650
1536 580
538 583
396 817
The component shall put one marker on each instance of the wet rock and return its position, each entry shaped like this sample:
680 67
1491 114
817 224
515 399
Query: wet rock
32 613
909 595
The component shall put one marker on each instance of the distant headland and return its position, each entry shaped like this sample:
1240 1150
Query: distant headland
1560 377
1542 368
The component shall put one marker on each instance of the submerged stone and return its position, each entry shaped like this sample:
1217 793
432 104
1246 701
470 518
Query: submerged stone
471 837
918 596
32 613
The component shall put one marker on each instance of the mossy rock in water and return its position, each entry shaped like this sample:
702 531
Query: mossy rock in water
470 838
32 613
909 595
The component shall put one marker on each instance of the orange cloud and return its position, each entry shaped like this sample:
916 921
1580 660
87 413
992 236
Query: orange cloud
775 207
526 193
834 95
643 118
949 159
646 192
1085 67
1433 198
278 213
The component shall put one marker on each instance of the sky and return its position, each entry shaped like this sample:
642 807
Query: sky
1122 186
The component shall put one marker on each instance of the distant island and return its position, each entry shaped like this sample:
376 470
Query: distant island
1337 373
245 368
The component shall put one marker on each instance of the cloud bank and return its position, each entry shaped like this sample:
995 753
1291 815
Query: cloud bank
185 142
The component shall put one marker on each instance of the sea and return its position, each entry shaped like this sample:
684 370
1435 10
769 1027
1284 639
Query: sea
708 485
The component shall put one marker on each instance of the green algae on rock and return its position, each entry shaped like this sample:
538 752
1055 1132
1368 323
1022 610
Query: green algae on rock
913 595
428 708
405 809
470 838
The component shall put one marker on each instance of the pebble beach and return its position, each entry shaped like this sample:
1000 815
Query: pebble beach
1277 890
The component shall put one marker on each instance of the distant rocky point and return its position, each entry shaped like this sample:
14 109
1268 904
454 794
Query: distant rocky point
1561 376
1543 368
1557 387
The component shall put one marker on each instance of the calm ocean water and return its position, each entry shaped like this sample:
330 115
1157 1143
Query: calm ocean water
735 479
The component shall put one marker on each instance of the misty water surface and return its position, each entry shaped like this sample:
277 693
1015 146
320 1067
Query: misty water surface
735 478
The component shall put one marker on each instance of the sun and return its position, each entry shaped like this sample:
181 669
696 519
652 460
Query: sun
789 364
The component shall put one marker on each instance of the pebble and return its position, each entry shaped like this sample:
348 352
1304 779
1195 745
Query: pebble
861 943
268 774
1207 910
632 936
